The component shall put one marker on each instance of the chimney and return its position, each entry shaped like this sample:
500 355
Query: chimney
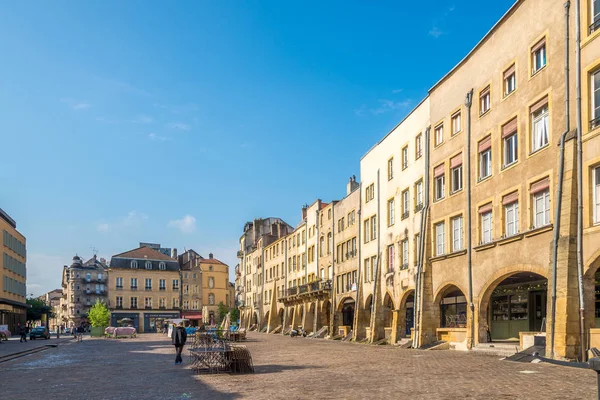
174 253
304 209
352 185
210 255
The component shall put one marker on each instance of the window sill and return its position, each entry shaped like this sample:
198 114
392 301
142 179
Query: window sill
510 166
537 71
540 230
438 258
457 253
507 95
435 146
456 192
486 112
485 246
510 239
484 179
595 227
538 151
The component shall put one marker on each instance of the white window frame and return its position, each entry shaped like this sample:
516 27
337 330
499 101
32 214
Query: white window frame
457 233
373 227
439 187
148 283
486 228
456 174
511 219
391 256
510 144
405 202
120 301
484 103
391 212
439 134
539 129
405 253
418 146
162 284
542 59
456 123
133 282
405 157
391 168
485 164
541 208
119 282
440 239
595 99
510 84
419 190
148 265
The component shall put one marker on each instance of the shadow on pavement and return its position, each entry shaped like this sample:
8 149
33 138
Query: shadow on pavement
274 368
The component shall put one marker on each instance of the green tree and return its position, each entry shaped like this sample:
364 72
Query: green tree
36 308
235 315
222 310
99 314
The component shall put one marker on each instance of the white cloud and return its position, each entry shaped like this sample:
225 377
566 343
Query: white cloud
179 125
178 108
81 106
435 32
396 91
76 104
186 225
133 219
142 119
157 138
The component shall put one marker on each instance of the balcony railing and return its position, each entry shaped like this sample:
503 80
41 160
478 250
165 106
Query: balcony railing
148 288
175 287
120 287
119 307
311 287
162 288
240 254
405 215
148 307
134 288
595 26
133 307
418 207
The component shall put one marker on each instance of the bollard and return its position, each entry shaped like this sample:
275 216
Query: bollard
594 364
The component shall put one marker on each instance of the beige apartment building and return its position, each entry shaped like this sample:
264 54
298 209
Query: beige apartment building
144 287
13 252
393 195
468 209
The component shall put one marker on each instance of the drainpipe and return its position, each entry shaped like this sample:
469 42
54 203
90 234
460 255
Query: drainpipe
378 222
561 165
422 241
317 247
579 175
468 103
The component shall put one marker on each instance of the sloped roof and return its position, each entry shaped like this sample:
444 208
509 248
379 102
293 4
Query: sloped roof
143 253
210 261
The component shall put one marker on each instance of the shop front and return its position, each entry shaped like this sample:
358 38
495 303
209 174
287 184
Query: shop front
155 322
194 317
518 304
125 319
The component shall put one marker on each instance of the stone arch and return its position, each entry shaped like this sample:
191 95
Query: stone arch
482 301
368 303
406 313
324 314
592 269
388 308
341 303
280 314
445 288
391 297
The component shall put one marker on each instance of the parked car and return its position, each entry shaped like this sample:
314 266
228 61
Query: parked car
39 332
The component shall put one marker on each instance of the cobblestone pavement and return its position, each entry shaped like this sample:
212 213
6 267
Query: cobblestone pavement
286 368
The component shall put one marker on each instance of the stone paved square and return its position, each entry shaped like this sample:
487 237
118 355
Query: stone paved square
286 368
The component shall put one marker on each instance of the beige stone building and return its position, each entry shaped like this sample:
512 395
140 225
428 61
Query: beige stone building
145 287
53 299
13 252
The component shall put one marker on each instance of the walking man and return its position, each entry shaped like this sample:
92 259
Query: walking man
179 337
80 333
23 333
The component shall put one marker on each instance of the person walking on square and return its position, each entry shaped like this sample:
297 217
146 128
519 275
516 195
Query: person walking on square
22 333
80 333
179 338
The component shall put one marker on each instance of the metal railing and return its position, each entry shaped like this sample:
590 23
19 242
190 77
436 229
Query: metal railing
595 123
594 26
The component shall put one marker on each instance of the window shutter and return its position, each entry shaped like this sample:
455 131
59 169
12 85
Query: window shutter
509 128
438 171
510 198
539 104
540 186
456 161
509 71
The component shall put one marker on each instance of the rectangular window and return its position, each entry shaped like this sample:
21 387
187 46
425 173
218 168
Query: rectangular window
133 283
540 192
538 56
510 150
595 100
391 212
405 157
484 101
439 134
373 227
418 146
510 80
391 168
419 196
119 283
485 215
456 172
456 123
367 231
457 233
439 182
596 194
390 258
439 239
485 158
511 214
119 302
175 283
417 247
405 204
133 302
148 284
148 302
539 125
404 244
367 269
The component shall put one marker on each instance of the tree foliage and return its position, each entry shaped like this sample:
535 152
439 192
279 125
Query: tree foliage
235 314
36 308
99 315
222 310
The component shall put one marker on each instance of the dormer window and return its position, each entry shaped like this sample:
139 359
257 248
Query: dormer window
162 265
148 265
134 264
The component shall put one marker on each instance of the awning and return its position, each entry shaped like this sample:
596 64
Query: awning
192 315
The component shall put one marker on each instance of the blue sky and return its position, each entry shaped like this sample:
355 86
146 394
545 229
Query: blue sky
178 122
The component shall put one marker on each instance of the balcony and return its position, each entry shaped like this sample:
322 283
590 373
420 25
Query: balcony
119 307
320 288
120 287
405 215
595 26
133 307
100 292
134 288
162 288
148 307
418 207
240 254
175 287
148 288
595 123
